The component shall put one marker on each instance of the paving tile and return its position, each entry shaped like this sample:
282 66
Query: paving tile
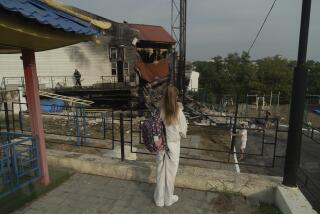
193 194
87 194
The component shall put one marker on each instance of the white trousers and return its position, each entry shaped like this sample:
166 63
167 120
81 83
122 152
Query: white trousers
167 168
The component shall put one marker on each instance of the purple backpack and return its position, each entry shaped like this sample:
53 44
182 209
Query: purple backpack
154 127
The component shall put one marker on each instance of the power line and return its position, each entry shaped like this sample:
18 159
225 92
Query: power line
264 22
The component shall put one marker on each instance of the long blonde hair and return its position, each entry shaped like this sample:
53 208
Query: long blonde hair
169 105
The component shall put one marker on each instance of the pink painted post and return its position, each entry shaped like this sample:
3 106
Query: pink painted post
33 101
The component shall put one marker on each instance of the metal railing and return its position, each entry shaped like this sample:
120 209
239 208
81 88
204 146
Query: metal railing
55 82
310 187
255 156
112 82
72 125
51 82
19 162
44 82
307 180
312 133
16 81
101 129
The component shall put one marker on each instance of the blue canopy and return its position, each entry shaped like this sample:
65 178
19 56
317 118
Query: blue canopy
45 14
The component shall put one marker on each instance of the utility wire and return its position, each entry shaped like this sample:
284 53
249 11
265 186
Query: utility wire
264 22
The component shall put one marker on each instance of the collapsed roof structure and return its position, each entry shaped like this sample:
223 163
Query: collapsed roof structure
154 47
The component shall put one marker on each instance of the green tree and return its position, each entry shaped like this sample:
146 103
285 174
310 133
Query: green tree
238 74
275 74
313 77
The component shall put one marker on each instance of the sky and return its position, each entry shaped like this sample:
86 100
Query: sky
219 27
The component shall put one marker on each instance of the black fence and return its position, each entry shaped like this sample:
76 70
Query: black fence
208 142
263 144
312 133
102 129
309 170
310 188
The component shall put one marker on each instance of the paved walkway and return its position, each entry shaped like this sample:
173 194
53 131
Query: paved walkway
87 194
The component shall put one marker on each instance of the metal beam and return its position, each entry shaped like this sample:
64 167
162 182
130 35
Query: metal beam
178 31
182 47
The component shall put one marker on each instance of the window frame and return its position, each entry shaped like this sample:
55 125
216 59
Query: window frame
111 52
121 53
126 67
114 68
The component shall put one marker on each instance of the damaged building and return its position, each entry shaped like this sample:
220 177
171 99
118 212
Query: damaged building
113 68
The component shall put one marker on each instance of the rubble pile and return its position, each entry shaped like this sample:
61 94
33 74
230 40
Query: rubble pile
153 93
195 111
200 114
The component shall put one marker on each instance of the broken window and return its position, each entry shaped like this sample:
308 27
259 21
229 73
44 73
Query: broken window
113 53
114 67
121 54
126 68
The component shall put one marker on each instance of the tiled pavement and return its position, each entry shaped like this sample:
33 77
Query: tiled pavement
87 194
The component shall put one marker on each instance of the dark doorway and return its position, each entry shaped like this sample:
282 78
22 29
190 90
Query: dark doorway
120 71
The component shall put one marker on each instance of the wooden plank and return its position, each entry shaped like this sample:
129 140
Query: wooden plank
66 98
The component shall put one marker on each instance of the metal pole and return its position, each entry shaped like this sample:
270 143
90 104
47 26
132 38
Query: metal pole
292 160
234 129
12 114
112 128
182 47
103 124
122 137
76 124
84 124
33 101
21 119
6 112
51 82
131 129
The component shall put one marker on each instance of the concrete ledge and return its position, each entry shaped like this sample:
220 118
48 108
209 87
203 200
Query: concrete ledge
260 188
292 201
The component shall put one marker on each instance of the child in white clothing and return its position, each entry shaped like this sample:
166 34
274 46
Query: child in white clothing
167 165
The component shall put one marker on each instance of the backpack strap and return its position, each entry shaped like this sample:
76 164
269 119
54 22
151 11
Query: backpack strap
166 148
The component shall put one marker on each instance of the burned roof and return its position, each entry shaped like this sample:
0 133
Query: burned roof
153 33
94 19
153 71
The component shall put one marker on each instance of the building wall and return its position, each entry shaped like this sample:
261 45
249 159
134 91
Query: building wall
92 60
122 35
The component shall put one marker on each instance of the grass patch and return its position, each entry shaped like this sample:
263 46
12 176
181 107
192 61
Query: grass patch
268 209
33 191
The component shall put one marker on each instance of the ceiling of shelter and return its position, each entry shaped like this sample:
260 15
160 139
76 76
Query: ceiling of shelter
25 24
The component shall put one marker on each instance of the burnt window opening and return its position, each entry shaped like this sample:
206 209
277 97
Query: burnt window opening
113 53
150 55
121 53
117 53
126 68
114 67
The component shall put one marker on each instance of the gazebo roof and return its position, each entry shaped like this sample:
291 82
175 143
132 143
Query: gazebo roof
38 26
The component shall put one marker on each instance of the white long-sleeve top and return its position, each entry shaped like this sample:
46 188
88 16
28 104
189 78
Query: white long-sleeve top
178 129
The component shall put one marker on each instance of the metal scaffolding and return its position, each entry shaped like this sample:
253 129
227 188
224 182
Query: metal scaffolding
178 32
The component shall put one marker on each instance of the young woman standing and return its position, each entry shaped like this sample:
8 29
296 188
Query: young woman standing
167 164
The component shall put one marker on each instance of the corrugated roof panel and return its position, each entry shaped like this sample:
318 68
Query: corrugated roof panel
45 14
